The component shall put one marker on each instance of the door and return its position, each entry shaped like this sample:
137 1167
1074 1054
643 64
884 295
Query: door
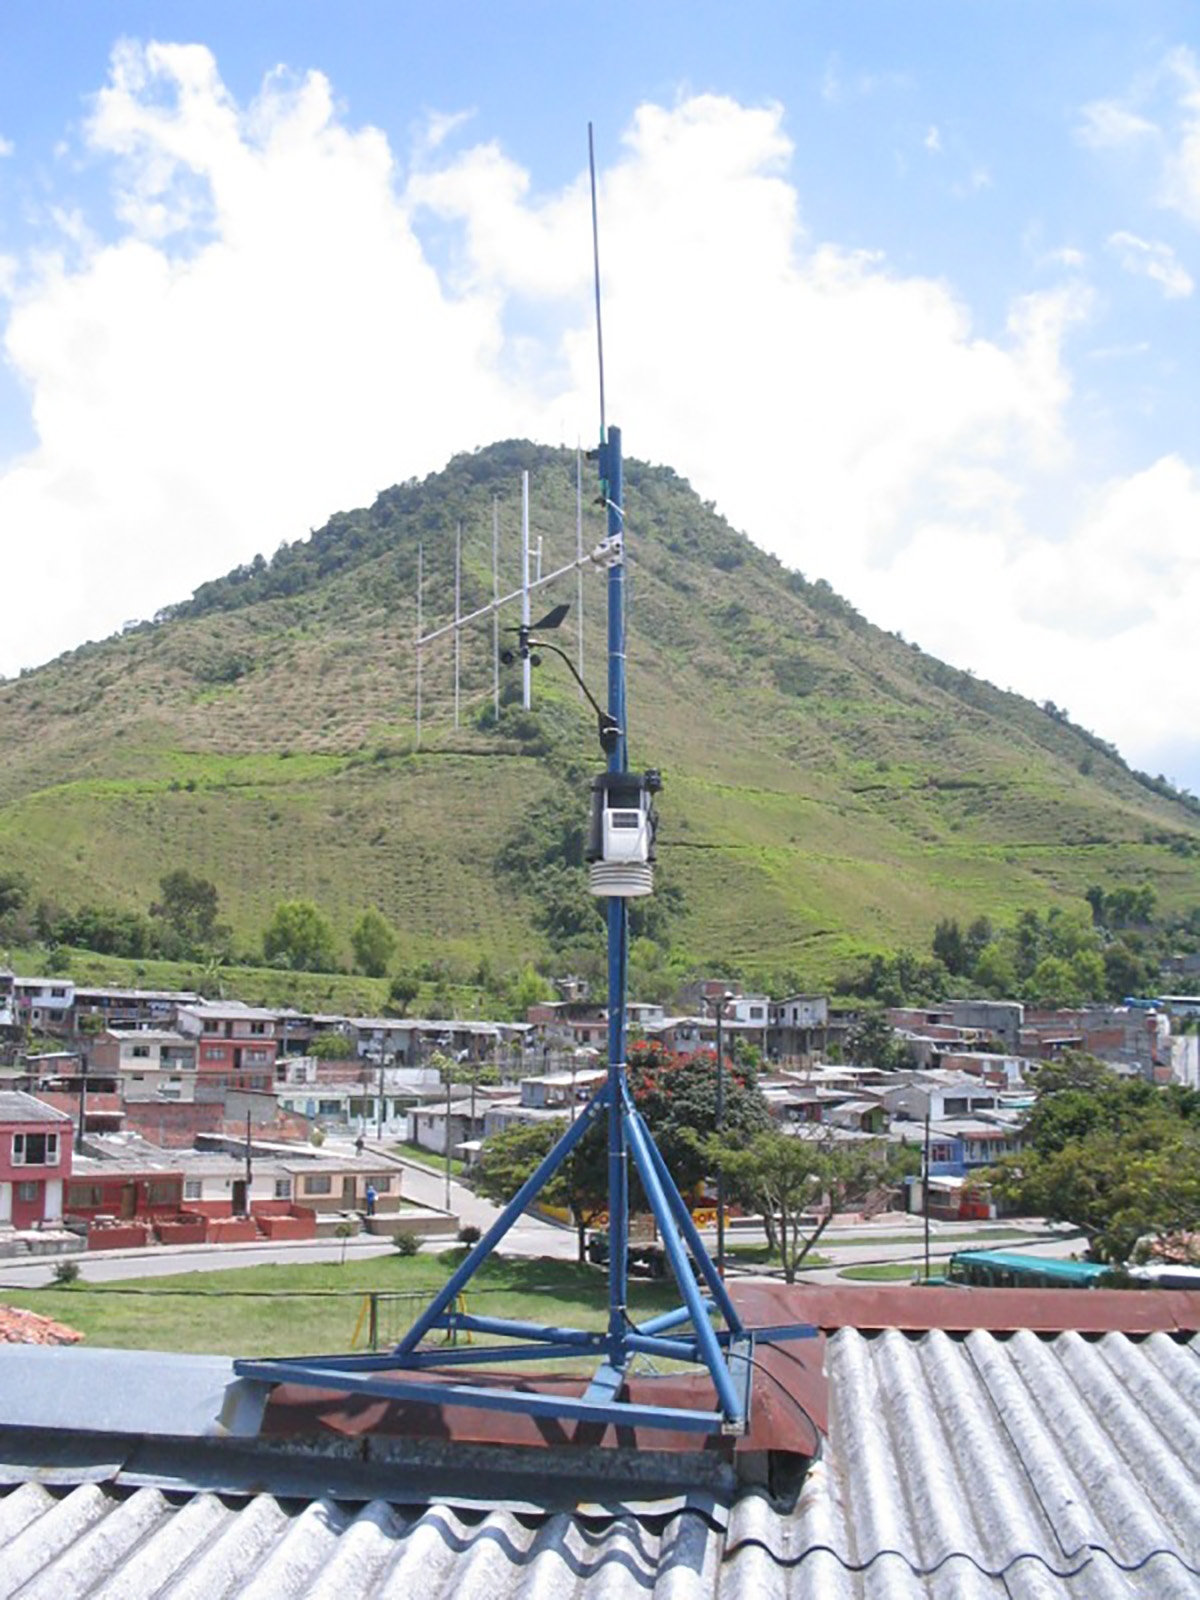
129 1199
239 1197
27 1203
349 1194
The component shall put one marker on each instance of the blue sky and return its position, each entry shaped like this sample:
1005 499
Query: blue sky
908 289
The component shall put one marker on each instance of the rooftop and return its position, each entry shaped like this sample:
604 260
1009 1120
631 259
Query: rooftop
17 1106
1022 1458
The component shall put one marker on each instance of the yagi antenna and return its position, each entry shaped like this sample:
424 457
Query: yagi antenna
596 272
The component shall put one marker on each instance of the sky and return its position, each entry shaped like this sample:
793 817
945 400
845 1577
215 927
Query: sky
908 289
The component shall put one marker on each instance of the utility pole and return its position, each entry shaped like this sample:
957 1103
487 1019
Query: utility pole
925 1195
249 1173
449 1070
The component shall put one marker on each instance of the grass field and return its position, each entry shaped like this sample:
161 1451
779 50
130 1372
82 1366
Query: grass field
885 1272
829 789
292 1310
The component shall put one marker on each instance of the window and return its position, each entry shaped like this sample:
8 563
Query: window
384 1183
191 1188
959 1103
320 1184
161 1192
84 1194
283 1188
141 1051
35 1149
27 1191
941 1152
210 1026
214 1053
624 819
756 1013
258 1027
329 1108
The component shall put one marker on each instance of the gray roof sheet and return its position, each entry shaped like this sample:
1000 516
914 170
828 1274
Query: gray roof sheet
977 1467
17 1106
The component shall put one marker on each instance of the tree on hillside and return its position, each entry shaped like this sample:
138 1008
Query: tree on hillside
403 991
299 937
373 942
187 907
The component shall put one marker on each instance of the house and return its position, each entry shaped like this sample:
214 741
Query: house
98 1007
236 1044
152 1064
938 1095
44 1005
799 1026
35 1160
1120 1035
8 1002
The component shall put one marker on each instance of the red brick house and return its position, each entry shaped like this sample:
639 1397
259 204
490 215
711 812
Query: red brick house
35 1160
235 1044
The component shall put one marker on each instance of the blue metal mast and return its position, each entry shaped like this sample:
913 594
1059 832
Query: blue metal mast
613 491
727 1353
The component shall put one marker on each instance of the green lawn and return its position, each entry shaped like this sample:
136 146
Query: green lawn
428 1158
982 1235
885 1272
291 1310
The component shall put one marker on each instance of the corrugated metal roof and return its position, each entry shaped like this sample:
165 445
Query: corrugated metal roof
977 1466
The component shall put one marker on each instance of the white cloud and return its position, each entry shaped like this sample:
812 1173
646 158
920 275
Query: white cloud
7 148
1107 125
266 342
1152 259
1160 114
933 141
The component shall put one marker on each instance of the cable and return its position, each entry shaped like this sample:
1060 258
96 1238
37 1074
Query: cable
818 1436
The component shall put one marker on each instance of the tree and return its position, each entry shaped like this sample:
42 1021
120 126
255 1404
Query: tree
299 937
13 892
995 970
677 1095
784 1176
332 1046
403 991
1117 1158
872 1042
509 1158
188 908
950 947
374 942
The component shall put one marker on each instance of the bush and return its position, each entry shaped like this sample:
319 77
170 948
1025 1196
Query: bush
469 1234
405 1243
66 1271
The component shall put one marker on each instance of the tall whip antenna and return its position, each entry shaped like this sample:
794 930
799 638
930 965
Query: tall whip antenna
596 271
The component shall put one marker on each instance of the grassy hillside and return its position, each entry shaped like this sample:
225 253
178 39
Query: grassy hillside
829 789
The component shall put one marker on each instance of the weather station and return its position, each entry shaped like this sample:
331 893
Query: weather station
705 1330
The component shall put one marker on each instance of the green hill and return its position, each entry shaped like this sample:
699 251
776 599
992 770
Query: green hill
829 789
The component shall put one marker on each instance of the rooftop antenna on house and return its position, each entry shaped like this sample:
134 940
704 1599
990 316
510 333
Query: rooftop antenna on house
621 853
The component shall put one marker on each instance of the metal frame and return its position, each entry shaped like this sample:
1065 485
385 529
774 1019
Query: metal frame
726 1353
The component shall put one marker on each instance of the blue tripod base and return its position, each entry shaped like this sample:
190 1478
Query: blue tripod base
686 1334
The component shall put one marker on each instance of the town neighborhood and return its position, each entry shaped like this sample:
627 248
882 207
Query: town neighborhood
147 1117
